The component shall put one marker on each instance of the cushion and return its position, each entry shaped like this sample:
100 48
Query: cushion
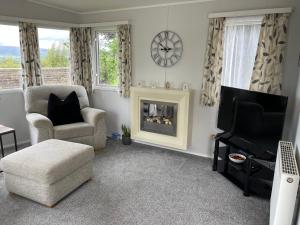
73 130
64 111
48 161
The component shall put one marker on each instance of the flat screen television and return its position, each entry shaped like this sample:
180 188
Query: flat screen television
270 103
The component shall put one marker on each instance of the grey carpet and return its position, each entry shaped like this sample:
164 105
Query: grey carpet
143 185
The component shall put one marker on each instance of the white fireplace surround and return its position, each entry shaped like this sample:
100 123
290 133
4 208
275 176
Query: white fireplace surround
182 98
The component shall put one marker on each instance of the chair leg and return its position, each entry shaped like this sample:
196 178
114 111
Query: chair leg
15 139
1 144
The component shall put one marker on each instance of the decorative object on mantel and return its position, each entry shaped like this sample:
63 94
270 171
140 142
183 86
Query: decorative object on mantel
166 48
153 84
185 86
160 116
126 136
167 85
141 83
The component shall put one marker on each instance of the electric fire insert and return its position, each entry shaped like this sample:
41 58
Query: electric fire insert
159 117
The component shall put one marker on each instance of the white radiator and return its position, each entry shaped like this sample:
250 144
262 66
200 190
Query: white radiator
285 185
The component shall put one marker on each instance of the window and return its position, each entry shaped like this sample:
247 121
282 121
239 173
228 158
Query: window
54 53
10 59
240 45
106 58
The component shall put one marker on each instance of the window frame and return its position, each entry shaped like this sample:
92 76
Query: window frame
95 59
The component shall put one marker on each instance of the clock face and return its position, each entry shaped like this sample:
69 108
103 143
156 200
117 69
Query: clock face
166 48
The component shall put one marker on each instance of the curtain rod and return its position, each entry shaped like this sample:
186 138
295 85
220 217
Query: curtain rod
256 12
54 24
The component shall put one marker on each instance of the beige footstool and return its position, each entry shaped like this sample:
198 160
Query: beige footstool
48 171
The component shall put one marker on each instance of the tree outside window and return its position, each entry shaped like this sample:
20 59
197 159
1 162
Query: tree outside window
54 54
10 59
108 58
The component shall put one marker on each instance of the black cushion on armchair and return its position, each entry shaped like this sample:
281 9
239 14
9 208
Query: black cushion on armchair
64 111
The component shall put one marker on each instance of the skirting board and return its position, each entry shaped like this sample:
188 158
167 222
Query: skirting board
174 149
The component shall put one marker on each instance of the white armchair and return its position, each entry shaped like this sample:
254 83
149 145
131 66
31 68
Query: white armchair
91 132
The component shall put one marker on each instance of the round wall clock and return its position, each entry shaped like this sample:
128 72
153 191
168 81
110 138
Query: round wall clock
166 48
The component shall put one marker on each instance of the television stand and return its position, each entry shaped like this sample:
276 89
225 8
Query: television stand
254 175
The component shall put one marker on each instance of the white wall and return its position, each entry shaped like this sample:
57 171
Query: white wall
191 23
117 111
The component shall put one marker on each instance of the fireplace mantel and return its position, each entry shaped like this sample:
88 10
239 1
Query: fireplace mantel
179 97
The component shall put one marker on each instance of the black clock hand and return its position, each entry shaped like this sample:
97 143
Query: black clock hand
162 46
168 49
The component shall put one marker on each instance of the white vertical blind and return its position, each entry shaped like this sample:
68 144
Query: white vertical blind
240 45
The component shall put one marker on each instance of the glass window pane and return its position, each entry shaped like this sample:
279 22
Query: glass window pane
10 59
108 58
55 52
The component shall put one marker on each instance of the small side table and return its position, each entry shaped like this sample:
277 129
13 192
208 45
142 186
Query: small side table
7 130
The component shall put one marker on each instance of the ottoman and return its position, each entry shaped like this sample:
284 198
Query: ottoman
48 171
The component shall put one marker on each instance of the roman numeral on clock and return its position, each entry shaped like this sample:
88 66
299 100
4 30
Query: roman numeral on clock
159 61
155 56
171 38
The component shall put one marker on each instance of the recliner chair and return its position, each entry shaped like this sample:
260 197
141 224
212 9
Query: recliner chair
91 132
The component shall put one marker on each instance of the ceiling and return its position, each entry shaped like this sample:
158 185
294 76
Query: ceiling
93 6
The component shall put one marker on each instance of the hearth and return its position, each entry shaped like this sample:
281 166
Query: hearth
159 117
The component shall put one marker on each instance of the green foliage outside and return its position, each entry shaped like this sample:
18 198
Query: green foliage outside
57 56
9 62
109 60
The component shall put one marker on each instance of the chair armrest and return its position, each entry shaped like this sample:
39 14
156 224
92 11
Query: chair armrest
39 121
92 115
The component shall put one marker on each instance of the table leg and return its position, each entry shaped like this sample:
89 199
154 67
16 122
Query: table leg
1 144
15 139
227 151
248 174
216 155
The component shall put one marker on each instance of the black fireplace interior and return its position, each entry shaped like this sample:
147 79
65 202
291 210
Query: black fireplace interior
159 117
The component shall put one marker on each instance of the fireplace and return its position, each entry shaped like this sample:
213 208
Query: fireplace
159 117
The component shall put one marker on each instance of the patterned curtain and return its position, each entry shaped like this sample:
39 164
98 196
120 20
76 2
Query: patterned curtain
267 71
81 57
30 55
211 81
124 59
